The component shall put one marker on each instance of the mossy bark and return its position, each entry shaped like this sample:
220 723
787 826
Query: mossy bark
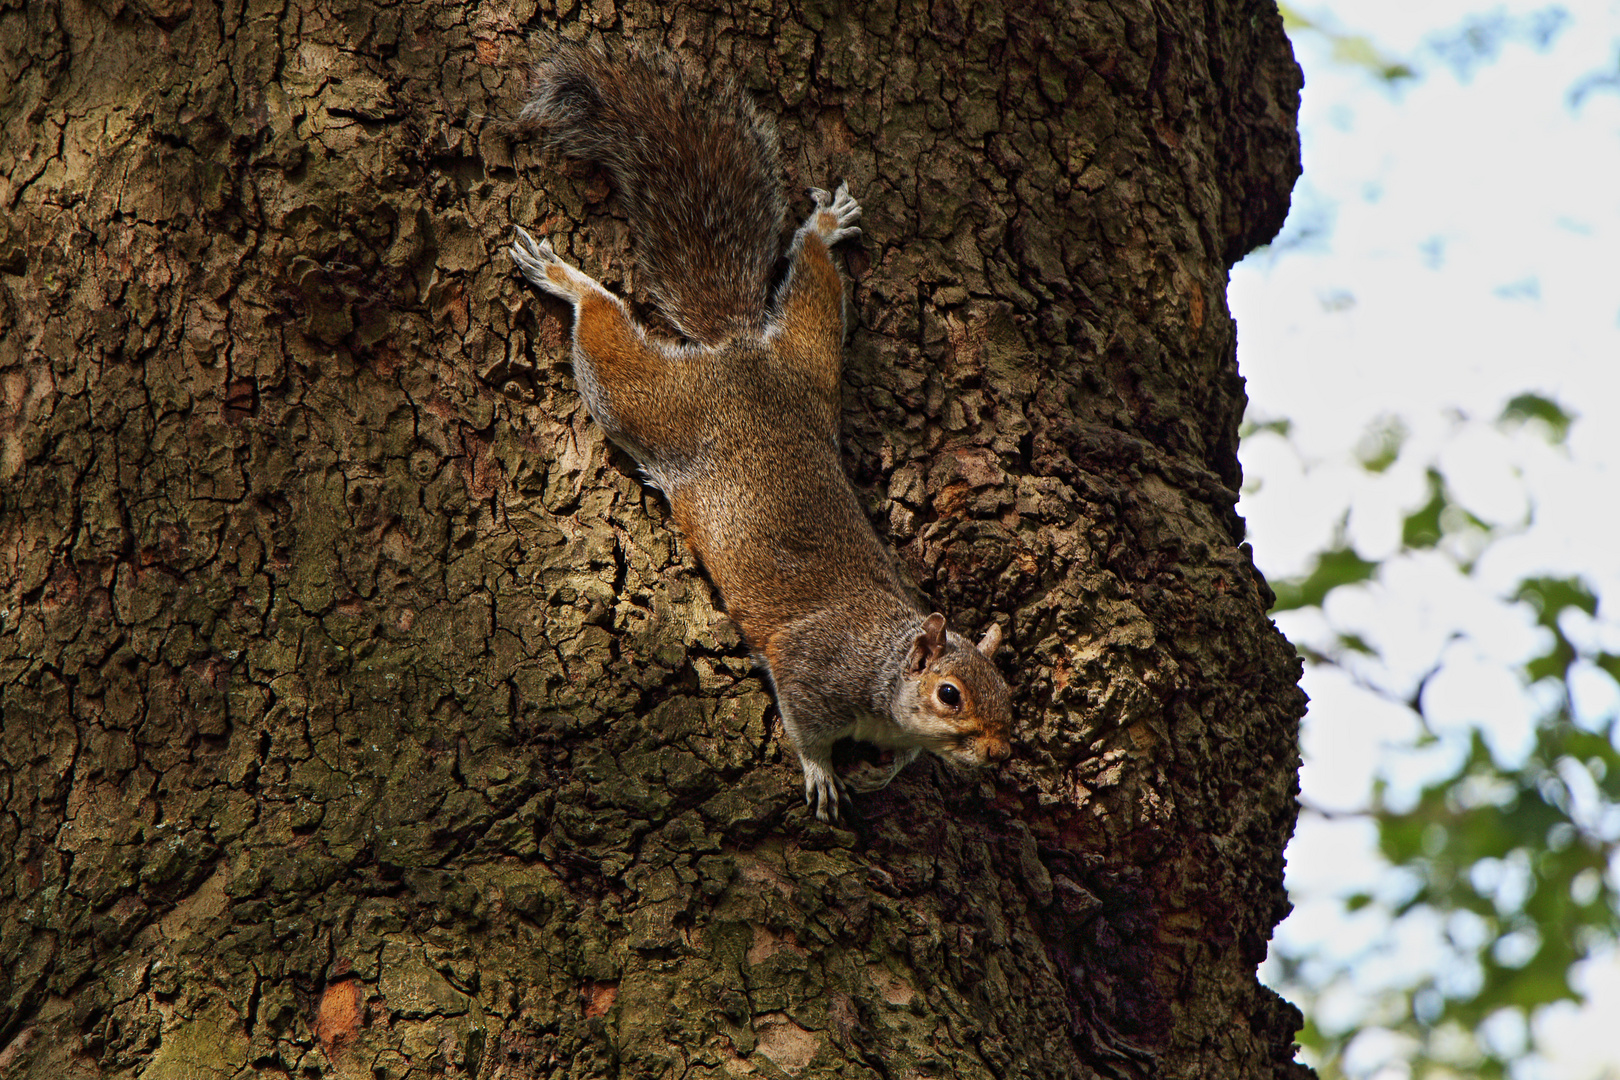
362 715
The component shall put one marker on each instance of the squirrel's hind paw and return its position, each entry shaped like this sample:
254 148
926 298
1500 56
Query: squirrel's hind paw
541 266
835 214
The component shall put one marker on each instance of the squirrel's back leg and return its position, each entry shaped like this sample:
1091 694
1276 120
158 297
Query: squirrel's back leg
635 387
807 320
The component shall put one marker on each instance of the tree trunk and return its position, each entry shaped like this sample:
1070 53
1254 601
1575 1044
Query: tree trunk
363 715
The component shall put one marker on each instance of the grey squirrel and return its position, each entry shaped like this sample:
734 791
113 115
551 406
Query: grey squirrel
738 425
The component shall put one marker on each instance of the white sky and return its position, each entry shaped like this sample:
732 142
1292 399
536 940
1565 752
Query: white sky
1453 243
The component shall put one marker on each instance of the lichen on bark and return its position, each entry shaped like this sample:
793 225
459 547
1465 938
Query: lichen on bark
362 714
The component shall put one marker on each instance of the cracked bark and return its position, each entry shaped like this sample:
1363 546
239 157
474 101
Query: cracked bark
361 713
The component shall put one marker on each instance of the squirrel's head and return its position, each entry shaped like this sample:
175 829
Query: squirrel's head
952 697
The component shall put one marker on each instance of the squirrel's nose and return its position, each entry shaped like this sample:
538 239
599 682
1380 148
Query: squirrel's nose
995 749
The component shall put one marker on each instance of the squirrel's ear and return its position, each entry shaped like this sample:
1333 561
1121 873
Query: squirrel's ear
991 641
930 643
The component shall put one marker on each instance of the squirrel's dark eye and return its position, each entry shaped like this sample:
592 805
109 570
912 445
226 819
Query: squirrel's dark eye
949 695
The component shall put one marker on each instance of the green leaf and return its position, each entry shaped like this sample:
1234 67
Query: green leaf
1341 566
1527 407
1280 426
1609 662
1293 20
1358 50
1422 528
1353 50
1550 597
1352 642
1380 445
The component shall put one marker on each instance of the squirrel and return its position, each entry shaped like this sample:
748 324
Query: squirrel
738 425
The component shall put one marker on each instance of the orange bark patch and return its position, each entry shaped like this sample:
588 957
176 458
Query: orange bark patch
759 873
480 469
599 998
338 1016
893 988
15 1047
241 400
767 944
457 309
951 500
788 1045
1060 675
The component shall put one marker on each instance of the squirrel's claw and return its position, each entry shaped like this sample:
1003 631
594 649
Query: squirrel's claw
532 257
540 264
835 214
823 792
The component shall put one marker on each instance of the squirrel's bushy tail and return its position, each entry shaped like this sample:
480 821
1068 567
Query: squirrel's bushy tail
701 186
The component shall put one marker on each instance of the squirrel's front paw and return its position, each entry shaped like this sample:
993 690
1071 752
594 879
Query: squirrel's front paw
867 775
835 215
823 792
541 266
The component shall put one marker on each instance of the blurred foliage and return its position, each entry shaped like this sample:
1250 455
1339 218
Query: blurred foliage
1510 857
1533 407
1356 50
1605 81
1339 565
1514 858
1381 446
1477 40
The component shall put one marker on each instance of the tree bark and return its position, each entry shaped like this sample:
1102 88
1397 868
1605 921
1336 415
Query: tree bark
363 715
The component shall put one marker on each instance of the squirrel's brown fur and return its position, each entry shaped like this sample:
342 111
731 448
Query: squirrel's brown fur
739 426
